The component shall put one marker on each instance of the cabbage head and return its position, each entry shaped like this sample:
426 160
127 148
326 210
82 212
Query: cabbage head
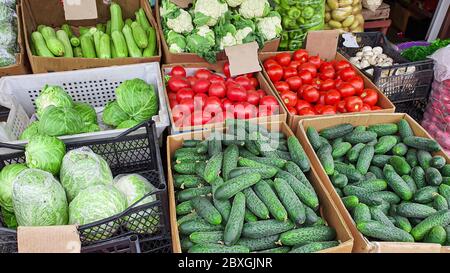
86 112
82 168
60 121
138 99
7 176
90 128
114 115
94 204
45 153
31 131
127 124
39 199
9 219
52 95
135 187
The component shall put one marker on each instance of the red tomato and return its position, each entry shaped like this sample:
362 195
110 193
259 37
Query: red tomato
365 108
177 83
236 93
213 104
292 110
327 73
201 86
315 60
306 76
172 95
173 103
318 108
332 97
322 97
281 86
347 73
226 104
338 82
341 65
245 110
200 118
244 82
326 65
275 73
200 100
376 107
289 98
307 111
192 80
202 74
369 96
217 89
189 103
326 85
261 93
295 64
311 95
250 75
226 70
308 67
283 58
178 71
185 93
358 83
294 83
289 72
302 89
230 82
180 111
216 79
340 107
346 89
353 104
269 62
300 55
329 110
253 97
302 104
255 83
268 105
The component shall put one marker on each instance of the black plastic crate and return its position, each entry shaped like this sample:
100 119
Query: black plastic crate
134 151
397 87
415 108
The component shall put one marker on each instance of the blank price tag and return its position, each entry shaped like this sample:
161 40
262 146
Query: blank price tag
53 239
322 43
243 58
80 9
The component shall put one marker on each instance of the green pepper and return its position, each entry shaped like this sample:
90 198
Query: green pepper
294 13
300 21
296 34
307 12
285 4
294 45
288 23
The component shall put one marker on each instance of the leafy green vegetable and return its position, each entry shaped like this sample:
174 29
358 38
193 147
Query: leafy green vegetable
60 121
45 153
114 115
86 112
52 95
31 131
127 124
7 176
419 53
9 219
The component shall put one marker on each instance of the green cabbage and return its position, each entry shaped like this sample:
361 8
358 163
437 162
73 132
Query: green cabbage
9 218
31 131
89 128
135 187
127 124
45 153
52 95
7 176
86 112
39 199
82 168
138 99
114 115
60 121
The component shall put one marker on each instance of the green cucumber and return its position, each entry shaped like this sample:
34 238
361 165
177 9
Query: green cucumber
446 170
433 176
306 195
188 217
200 169
399 186
186 244
411 183
385 144
213 167
189 158
350 202
190 143
360 137
199 224
326 158
218 248
446 180
341 149
295 170
274 162
365 158
313 137
270 199
185 168
339 192
439 202
418 174
437 235
281 249
400 149
230 160
402 223
293 205
377 171
206 210
361 213
307 235
424 158
223 206
188 194
440 218
425 194
266 173
347 170
249 216
411 158
311 217
372 185
400 165
314 247
422 143
268 242
384 129
339 180
404 129
265 228
382 232
353 154
444 190
255 205
379 216
235 185
336 131
250 145
184 208
233 228
297 153
206 237
360 128
437 162
182 152
380 160
202 147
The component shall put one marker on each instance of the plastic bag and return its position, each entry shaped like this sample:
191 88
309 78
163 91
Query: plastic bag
8 3
372 5
345 15
7 58
8 36
7 14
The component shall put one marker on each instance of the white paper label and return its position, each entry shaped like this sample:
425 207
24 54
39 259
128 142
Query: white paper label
349 40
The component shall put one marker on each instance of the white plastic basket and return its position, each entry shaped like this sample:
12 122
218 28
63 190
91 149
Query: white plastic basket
94 86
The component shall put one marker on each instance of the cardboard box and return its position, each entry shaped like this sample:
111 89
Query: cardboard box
361 243
324 50
328 209
51 13
218 68
171 58
21 66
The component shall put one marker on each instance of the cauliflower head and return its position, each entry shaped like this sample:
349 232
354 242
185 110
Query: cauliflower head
241 34
180 21
234 3
227 40
176 42
270 27
208 12
207 33
254 8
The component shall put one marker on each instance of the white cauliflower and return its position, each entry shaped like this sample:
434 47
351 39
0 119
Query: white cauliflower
174 48
207 33
234 3
254 8
241 34
270 27
208 12
181 23
227 40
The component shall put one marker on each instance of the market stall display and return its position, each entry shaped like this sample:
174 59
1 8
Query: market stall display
258 194
344 15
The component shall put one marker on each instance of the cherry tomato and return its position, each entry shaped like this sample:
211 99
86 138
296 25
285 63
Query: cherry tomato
365 108
178 71
315 60
326 85
300 55
339 65
289 72
261 93
346 89
281 86
275 73
192 80
189 103
358 83
307 111
311 95
329 110
269 62
308 67
327 73
306 76
325 65
253 97
283 58
289 98
244 82
340 107
353 104
318 108
347 73
302 104
369 96
217 89
376 107
202 74
332 97
294 83
236 93
295 64
292 110
216 79
185 93
200 100
226 70
177 83
268 105
201 86
255 83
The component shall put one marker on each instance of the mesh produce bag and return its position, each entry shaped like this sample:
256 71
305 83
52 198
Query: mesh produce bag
344 15
8 33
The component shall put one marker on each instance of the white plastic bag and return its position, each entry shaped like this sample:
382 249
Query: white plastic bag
372 5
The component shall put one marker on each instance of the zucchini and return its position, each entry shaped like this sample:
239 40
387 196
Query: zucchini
133 49
87 46
235 185
40 45
297 153
117 23
422 143
64 38
105 47
120 44
139 35
77 52
52 42
265 228
206 210
382 232
75 41
293 205
233 228
141 17
307 235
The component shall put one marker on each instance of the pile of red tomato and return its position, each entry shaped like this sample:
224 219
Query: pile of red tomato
206 97
309 85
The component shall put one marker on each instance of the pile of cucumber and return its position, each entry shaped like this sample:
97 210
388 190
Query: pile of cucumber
389 180
247 194
115 39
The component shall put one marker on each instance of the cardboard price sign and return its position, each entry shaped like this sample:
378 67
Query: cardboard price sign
80 9
52 239
243 58
322 43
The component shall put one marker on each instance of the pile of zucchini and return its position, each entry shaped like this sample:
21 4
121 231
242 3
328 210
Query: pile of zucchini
247 194
115 39
395 189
